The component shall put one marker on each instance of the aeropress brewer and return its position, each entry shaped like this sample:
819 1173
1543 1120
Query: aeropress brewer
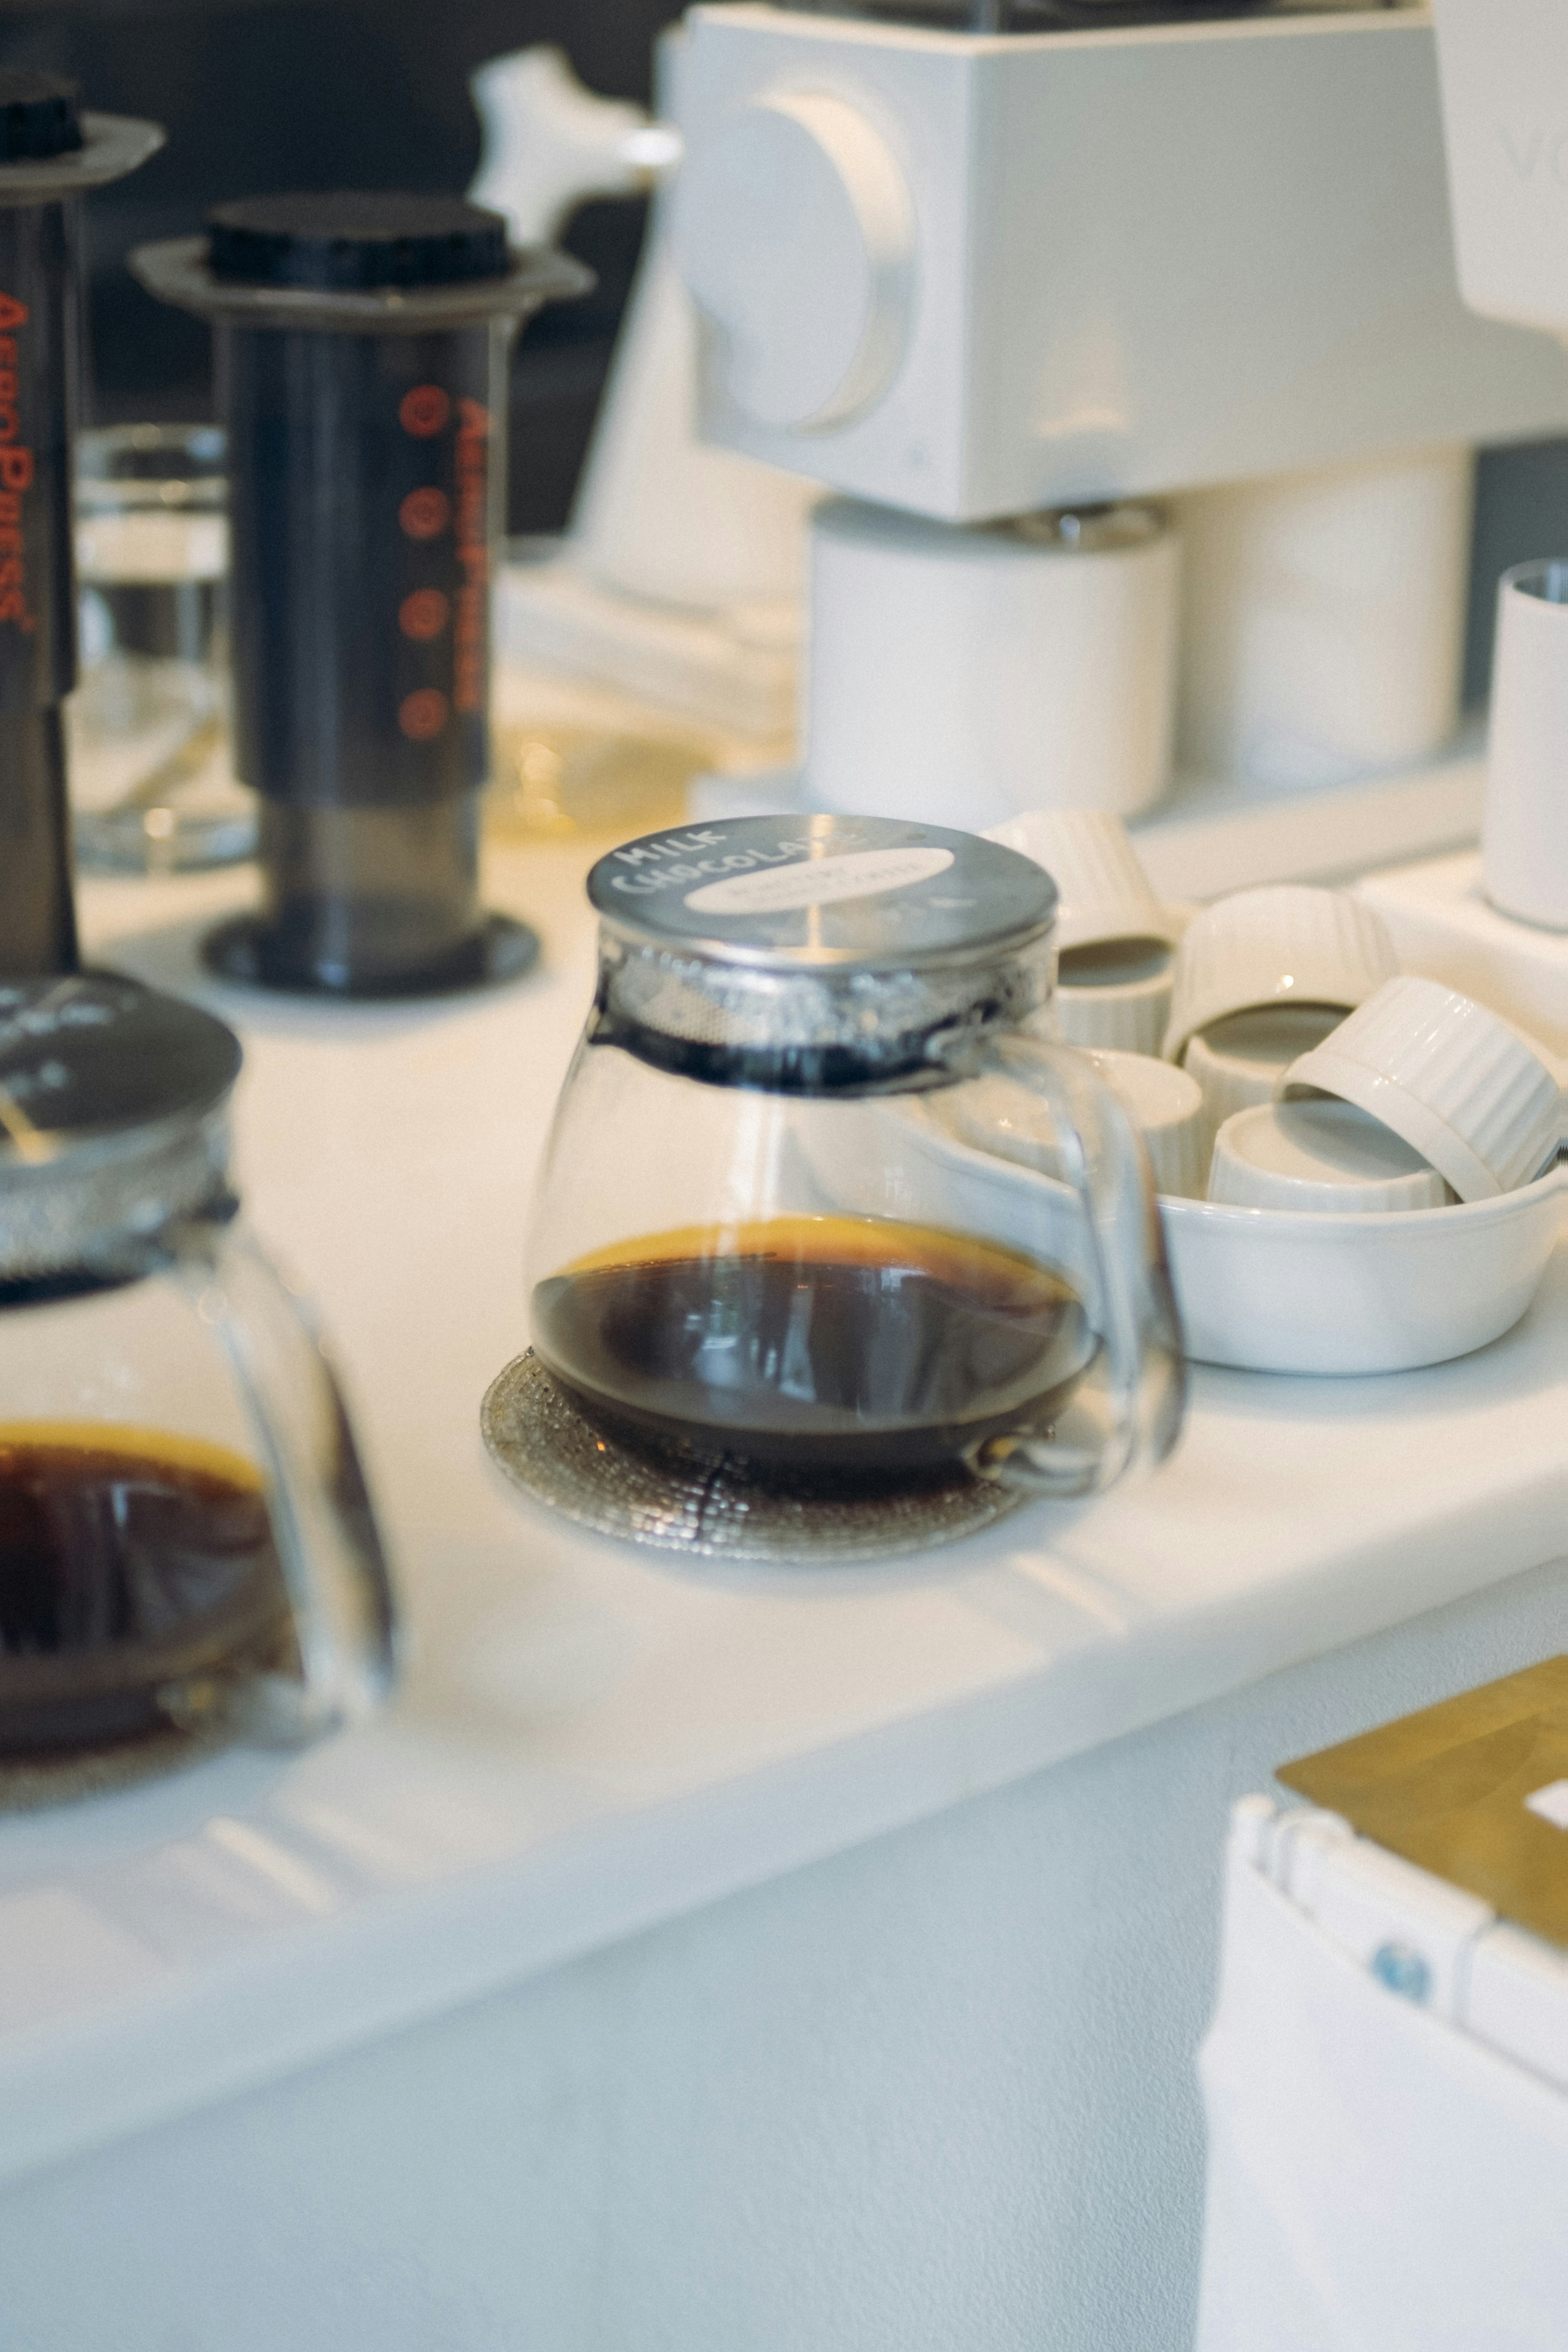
49 156
363 344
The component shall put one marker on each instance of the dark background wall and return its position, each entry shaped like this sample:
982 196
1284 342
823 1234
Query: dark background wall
271 94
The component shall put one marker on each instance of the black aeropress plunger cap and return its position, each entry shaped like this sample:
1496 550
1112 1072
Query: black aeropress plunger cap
353 241
38 116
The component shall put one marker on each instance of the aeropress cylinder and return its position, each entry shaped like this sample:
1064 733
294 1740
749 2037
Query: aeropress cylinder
362 343
49 155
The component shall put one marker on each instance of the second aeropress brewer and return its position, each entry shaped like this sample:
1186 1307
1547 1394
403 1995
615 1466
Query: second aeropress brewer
362 343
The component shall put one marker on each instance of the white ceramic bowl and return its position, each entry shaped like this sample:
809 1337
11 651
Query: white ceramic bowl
1385 1292
1167 1109
1286 944
1265 1291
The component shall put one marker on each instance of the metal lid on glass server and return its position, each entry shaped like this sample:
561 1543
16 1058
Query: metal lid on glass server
812 892
812 954
111 1120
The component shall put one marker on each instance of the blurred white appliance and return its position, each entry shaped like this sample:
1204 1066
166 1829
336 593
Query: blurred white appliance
1502 918
1505 87
976 275
679 579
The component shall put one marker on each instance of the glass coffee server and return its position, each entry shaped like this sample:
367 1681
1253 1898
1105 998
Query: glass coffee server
752 1241
186 1544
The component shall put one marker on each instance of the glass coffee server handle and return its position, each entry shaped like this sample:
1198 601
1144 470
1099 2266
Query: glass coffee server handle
335 1571
1100 1225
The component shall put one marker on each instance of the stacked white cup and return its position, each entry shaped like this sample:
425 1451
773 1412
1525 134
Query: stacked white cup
1260 978
1114 938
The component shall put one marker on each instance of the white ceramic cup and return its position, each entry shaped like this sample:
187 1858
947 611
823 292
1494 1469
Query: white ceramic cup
1238 1062
1167 1108
1286 944
993 1115
1462 1088
1103 891
1115 996
1524 823
1113 936
1321 1155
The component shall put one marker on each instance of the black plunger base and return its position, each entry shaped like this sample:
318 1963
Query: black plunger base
371 901
248 950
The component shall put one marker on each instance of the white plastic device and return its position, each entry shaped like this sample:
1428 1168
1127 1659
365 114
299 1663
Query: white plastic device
680 580
973 276
1503 65
548 142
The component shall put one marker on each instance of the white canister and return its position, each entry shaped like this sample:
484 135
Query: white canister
959 675
1525 826
1323 619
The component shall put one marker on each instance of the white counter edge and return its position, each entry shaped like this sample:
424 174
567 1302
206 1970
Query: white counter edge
301 1997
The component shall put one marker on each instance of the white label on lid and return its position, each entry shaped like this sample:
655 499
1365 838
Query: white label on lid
818 881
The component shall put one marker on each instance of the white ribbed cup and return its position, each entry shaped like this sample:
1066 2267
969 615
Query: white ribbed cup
1115 996
1453 1080
1238 1062
1167 1108
1103 891
995 1115
1286 944
1327 1157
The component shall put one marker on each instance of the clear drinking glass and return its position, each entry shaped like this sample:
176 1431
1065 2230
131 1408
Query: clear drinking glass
150 781
750 1240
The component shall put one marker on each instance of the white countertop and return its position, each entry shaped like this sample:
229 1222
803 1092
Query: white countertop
591 1739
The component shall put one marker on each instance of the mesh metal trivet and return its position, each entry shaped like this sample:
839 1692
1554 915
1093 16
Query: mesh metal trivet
717 1509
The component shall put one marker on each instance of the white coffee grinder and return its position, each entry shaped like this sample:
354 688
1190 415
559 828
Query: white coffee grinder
1041 305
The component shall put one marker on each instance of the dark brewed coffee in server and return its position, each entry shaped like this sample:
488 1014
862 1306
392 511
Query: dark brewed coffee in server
127 1561
852 1343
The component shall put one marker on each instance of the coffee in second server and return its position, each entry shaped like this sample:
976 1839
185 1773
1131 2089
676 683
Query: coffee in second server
820 1342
